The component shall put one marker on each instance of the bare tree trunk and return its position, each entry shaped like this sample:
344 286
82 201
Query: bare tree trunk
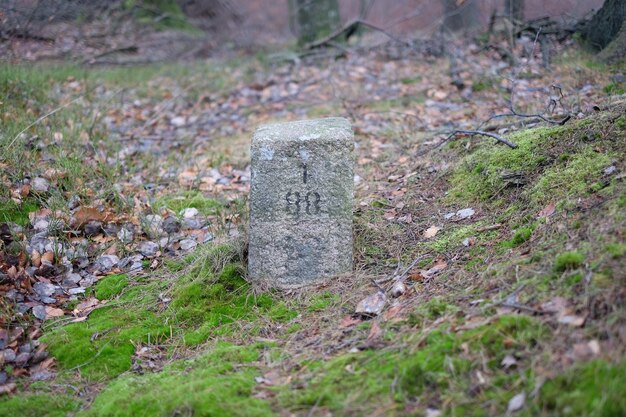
314 19
460 14
605 25
514 9
616 50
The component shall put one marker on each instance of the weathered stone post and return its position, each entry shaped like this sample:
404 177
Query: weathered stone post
301 199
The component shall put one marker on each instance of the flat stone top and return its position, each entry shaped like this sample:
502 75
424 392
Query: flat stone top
331 128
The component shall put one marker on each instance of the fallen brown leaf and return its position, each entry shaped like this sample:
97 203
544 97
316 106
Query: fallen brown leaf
547 211
349 321
375 332
431 232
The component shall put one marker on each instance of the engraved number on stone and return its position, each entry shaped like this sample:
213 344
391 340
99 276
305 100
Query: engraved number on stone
311 200
315 197
304 173
293 202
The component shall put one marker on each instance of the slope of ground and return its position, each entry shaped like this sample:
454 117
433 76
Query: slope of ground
513 299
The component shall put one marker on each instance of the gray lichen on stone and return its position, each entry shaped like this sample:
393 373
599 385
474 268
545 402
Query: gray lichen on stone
301 202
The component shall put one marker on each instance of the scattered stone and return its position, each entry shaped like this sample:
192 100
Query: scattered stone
192 223
92 228
42 376
178 121
9 355
76 291
111 229
41 224
610 170
73 202
171 225
301 202
189 213
40 185
398 289
517 403
71 280
43 289
188 244
88 281
148 248
371 305
153 226
465 213
22 358
39 312
105 263
461 214
81 262
124 235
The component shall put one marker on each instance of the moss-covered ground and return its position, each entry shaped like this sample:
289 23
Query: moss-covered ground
193 337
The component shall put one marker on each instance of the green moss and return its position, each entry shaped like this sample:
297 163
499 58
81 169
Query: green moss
482 85
111 286
218 383
593 389
322 301
17 213
206 303
568 260
616 250
190 199
351 383
614 88
452 237
37 405
575 177
540 160
102 347
520 236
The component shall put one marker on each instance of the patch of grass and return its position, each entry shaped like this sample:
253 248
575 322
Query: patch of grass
351 384
568 260
211 298
592 389
616 250
614 89
17 213
102 347
539 158
111 286
37 405
452 237
573 178
218 383
161 14
520 236
482 84
190 199
322 301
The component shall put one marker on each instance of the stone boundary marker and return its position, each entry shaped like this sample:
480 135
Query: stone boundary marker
301 199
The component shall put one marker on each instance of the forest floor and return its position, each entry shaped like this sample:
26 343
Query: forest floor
496 273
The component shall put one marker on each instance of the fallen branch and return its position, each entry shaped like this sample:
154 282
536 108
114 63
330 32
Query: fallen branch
480 133
349 28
